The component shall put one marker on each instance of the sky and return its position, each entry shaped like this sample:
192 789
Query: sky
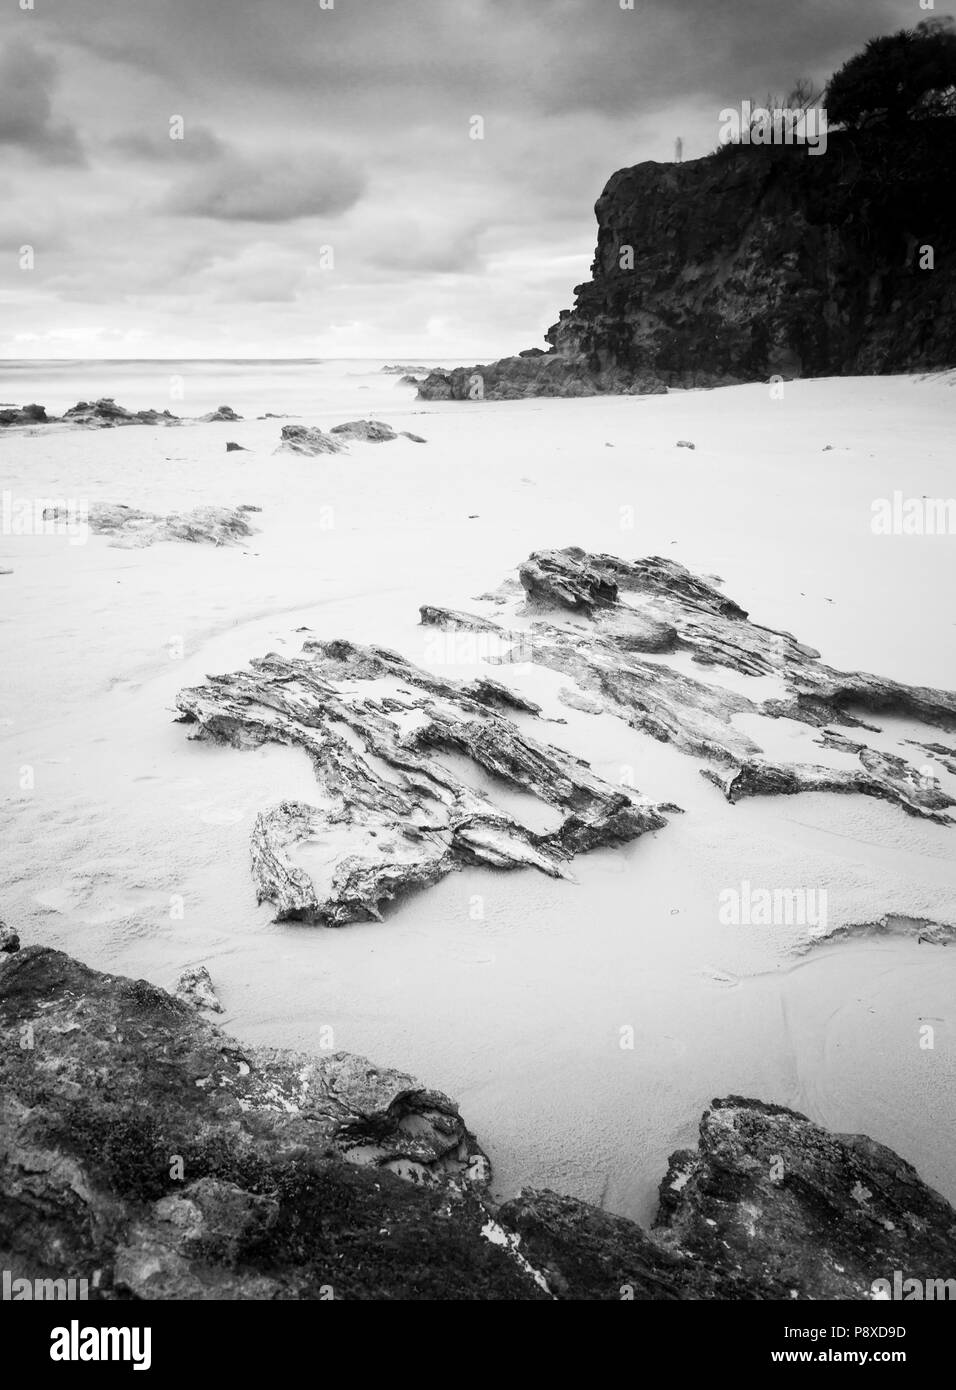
328 196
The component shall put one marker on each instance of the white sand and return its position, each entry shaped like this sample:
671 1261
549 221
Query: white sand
517 1014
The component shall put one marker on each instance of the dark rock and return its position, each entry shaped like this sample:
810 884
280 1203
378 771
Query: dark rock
514 378
140 1142
308 440
761 262
232 448
372 431
105 413
685 444
9 940
222 413
415 438
197 1168
24 415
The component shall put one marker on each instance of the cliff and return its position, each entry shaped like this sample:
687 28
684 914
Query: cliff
754 262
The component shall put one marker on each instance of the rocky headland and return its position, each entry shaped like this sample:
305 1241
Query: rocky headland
755 262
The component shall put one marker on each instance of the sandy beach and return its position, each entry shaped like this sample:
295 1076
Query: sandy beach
131 847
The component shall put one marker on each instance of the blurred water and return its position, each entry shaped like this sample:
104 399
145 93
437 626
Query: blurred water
192 387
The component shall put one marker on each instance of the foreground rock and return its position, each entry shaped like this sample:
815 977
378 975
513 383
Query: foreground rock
595 617
221 413
197 1168
395 816
544 374
133 529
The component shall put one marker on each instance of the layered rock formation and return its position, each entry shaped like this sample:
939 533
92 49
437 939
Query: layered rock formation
147 1152
594 618
755 262
398 813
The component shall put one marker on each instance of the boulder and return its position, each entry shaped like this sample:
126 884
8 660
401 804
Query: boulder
308 440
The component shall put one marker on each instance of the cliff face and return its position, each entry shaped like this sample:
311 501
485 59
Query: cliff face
768 260
755 262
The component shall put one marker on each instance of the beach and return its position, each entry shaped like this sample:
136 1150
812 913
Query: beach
126 843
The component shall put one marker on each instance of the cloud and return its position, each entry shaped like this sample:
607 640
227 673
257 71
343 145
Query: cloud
269 187
27 80
199 145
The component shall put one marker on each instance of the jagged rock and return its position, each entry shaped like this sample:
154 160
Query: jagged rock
9 940
222 413
406 826
194 986
372 431
232 447
141 1144
105 413
513 378
308 440
24 415
131 528
785 1210
197 1168
685 444
656 605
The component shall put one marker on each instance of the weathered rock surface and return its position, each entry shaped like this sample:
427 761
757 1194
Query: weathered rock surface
395 815
146 1151
513 378
143 1149
23 415
233 448
308 440
194 986
9 940
604 612
132 528
221 413
105 413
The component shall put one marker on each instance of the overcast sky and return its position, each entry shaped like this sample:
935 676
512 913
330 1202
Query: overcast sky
349 128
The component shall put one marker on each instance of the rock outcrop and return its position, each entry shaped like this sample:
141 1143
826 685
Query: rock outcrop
148 1153
596 615
105 413
395 816
221 413
308 440
24 415
755 262
131 528
547 374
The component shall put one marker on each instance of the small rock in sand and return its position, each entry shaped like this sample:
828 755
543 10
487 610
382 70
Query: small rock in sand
685 444
194 986
415 438
307 440
224 412
373 431
232 447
